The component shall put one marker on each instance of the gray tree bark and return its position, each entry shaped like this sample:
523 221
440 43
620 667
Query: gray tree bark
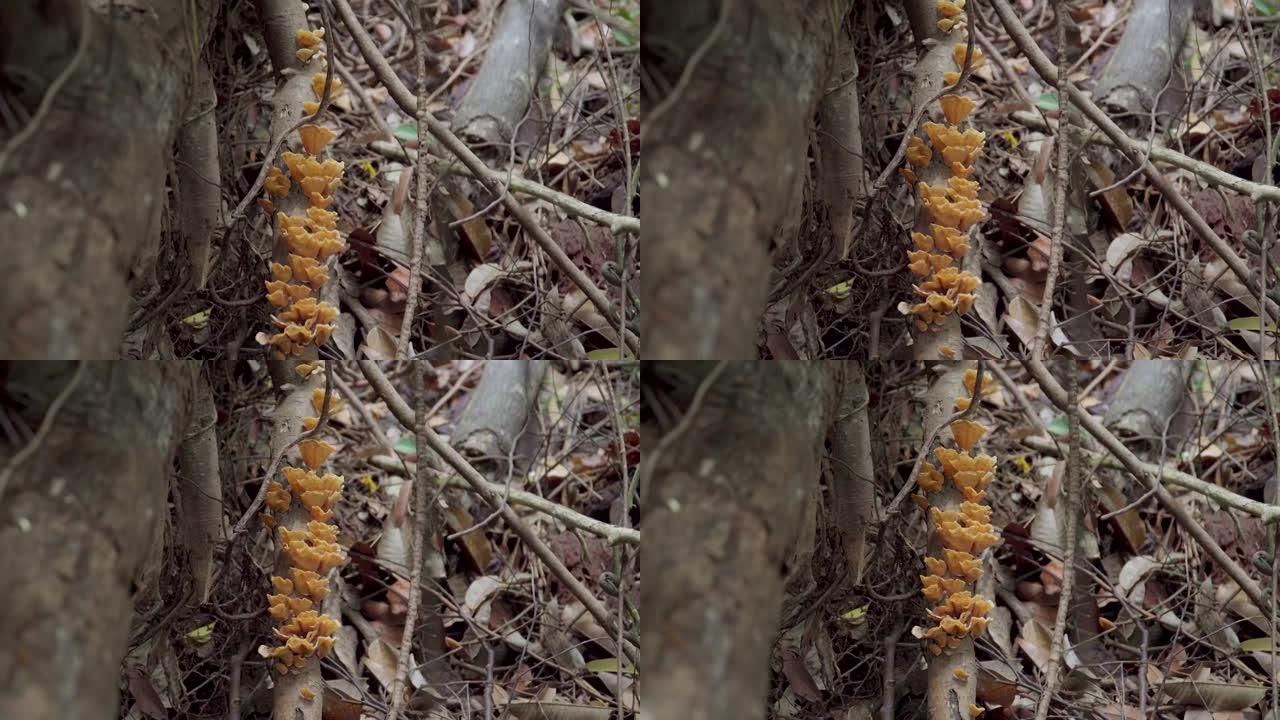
78 196
1145 405
1146 55
500 93
727 141
77 517
726 503
499 409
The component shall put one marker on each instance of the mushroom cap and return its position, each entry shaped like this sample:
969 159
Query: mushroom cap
950 8
959 51
309 38
918 153
314 453
930 479
967 433
955 107
317 85
277 183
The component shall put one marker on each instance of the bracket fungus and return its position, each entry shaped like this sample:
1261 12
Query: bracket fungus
961 531
307 238
950 210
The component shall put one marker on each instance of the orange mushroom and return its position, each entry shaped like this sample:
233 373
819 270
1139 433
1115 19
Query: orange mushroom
315 138
955 108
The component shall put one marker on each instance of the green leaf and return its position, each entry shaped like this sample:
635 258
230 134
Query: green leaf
1047 101
1266 7
202 634
1060 426
407 445
407 131
196 321
608 354
1256 645
856 616
609 665
1250 323
839 291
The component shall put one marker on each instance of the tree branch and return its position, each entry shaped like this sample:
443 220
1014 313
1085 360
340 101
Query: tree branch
1058 396
495 500
493 181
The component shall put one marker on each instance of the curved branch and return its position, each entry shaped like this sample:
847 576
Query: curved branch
493 181
496 501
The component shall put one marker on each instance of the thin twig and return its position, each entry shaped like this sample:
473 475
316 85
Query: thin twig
1266 512
46 102
405 344
927 445
686 74
1134 151
612 533
519 184
478 484
1073 508
1056 238
1058 396
45 425
494 182
418 527
685 421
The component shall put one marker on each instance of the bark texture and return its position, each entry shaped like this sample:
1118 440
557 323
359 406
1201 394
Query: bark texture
841 143
724 153
78 198
200 487
853 469
1148 399
946 691
500 93
199 177
76 520
498 410
1146 55
726 503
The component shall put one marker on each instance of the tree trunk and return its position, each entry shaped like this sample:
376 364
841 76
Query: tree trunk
726 502
841 144
500 93
1146 55
78 197
1145 406
498 411
723 193
79 512
853 470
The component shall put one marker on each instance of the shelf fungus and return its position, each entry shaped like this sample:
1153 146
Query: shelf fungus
308 238
952 493
949 210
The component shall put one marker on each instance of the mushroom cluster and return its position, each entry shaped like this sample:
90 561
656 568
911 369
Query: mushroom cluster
308 240
311 549
951 209
961 531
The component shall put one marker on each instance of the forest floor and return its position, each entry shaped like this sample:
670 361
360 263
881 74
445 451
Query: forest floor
488 289
515 639
1155 629
1137 281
